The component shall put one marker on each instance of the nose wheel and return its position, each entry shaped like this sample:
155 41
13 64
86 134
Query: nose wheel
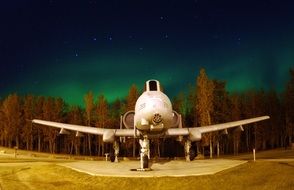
144 155
145 162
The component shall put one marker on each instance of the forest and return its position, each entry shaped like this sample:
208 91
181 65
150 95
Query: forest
206 102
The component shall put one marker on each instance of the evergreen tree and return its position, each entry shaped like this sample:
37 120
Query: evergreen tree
191 112
221 103
132 97
204 106
131 102
89 107
289 111
115 112
179 104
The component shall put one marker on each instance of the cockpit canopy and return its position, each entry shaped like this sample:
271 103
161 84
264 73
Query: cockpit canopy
152 85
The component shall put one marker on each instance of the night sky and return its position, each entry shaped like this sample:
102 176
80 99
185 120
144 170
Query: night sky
66 48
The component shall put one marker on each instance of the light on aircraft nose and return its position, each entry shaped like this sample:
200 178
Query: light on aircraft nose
144 122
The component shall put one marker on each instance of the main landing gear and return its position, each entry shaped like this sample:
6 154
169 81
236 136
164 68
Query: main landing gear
114 156
190 153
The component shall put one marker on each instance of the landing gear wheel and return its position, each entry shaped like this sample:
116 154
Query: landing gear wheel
111 156
192 154
145 161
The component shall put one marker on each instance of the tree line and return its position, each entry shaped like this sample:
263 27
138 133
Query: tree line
207 102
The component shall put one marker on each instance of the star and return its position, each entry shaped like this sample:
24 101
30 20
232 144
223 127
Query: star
239 41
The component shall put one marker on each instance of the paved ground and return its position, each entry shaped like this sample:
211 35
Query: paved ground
160 169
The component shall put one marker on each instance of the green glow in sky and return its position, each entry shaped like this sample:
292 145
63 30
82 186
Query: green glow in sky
113 72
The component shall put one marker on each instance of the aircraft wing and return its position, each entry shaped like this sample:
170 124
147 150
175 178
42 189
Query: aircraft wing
196 132
108 134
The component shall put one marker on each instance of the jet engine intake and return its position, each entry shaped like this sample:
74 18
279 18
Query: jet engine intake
176 120
128 119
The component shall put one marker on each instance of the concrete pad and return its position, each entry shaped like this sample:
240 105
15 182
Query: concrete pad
159 169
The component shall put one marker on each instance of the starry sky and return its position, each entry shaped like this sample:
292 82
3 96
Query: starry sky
65 48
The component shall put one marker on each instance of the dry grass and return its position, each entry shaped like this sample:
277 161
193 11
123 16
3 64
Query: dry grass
46 174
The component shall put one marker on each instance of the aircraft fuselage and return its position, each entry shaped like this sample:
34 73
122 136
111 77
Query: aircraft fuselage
153 110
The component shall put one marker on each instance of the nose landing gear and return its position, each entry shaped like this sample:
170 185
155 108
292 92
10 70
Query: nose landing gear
144 155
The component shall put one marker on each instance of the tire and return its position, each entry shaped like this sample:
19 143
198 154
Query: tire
111 155
145 161
192 154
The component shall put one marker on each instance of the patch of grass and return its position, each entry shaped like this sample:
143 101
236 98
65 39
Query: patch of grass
253 175
43 173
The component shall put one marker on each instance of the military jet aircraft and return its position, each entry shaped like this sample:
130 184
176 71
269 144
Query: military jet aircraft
153 118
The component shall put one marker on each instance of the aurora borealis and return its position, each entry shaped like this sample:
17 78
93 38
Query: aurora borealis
65 48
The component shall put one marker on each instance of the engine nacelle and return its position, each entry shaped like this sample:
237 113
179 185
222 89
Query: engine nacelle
108 136
153 111
176 120
194 134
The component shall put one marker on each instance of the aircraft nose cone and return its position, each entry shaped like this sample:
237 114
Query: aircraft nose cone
157 118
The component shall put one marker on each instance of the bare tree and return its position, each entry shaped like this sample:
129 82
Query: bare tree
2 121
274 130
102 119
131 102
49 132
89 103
236 115
11 112
27 130
289 111
75 116
39 115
